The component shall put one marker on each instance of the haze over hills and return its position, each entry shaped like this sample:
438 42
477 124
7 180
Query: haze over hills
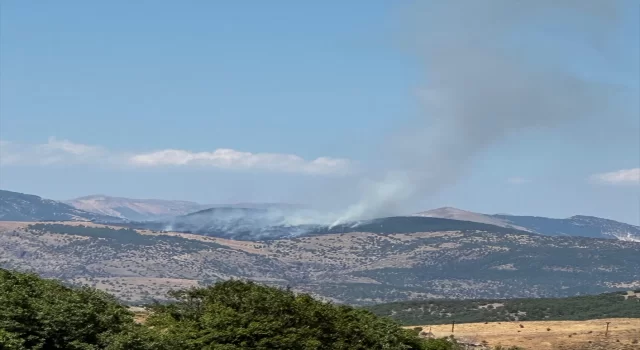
15 206
279 222
577 225
252 221
249 222
464 215
270 224
154 209
134 209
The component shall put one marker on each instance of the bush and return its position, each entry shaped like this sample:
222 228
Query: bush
246 315
43 314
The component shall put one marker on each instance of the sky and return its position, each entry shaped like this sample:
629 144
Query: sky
321 103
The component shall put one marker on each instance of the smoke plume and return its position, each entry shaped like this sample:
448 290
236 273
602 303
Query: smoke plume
493 69
484 83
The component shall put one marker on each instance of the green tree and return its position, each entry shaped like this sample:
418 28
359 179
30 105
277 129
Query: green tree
45 315
245 315
10 341
36 313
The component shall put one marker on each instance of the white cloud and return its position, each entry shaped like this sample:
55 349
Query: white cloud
232 159
66 152
620 177
53 152
517 180
66 146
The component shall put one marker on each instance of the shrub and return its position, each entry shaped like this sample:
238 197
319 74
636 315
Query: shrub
246 315
45 315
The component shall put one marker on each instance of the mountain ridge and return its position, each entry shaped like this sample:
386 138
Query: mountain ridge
16 206
273 220
132 208
143 209
576 225
465 215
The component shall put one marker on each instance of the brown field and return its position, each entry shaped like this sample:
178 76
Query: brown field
624 333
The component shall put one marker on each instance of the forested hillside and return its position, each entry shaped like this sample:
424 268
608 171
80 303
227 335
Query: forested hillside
354 268
610 305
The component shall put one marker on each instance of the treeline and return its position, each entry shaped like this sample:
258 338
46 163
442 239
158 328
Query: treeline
413 224
610 305
88 231
120 236
43 314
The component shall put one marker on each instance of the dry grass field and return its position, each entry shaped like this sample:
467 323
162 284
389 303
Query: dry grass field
624 334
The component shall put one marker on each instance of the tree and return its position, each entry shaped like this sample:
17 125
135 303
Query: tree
43 314
245 315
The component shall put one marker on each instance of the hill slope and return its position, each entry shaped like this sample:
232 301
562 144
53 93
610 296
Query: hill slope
15 206
579 225
270 223
134 209
464 215
353 267
620 304
157 209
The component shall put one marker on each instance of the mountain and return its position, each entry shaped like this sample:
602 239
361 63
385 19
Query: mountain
394 259
134 209
15 206
270 224
579 225
239 223
258 205
155 209
255 221
463 215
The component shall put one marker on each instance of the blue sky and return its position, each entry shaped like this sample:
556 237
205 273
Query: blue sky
134 99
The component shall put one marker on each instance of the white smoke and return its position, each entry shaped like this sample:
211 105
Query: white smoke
255 223
483 85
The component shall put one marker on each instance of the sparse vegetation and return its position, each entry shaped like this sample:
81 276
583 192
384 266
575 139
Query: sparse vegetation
354 268
620 304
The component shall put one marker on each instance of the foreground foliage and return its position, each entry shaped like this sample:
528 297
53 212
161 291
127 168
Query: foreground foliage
244 315
43 314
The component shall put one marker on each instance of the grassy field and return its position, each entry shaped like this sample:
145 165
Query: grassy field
624 334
